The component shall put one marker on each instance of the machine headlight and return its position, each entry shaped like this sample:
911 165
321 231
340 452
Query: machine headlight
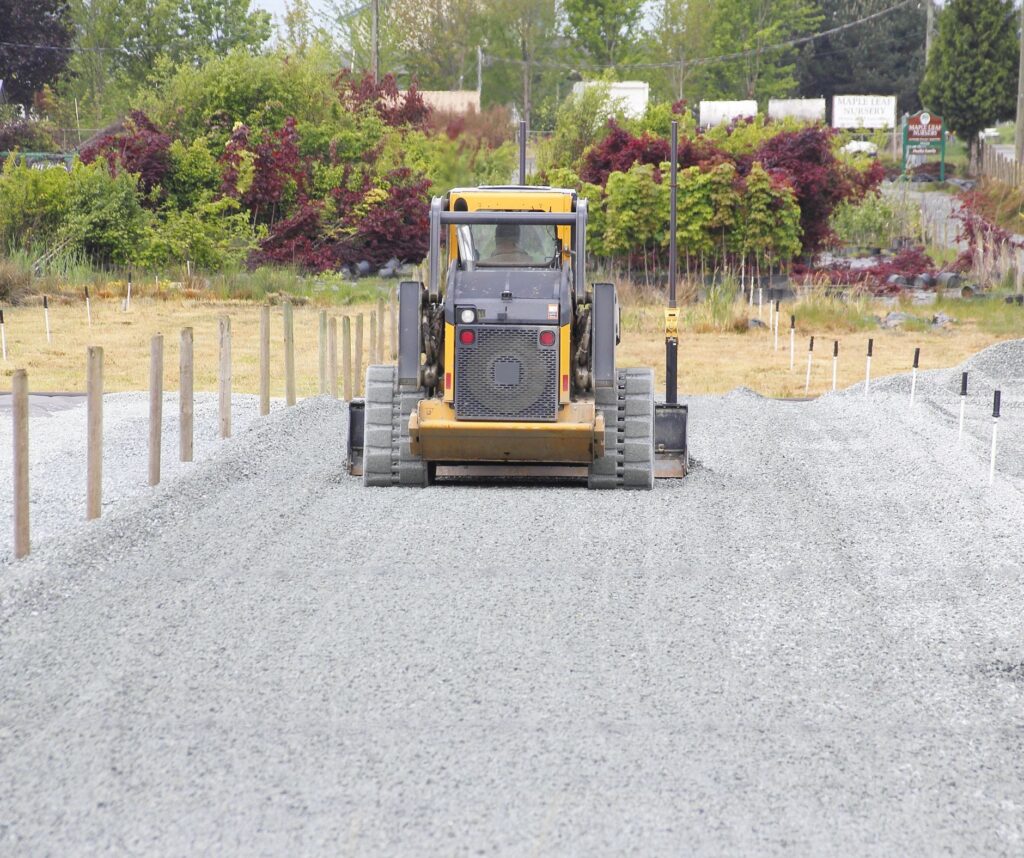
467 315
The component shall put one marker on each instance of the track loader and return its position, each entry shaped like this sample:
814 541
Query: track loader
507 359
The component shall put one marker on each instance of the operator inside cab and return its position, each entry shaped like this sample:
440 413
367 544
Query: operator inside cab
507 247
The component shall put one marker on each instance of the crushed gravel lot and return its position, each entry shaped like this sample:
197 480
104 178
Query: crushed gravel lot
812 645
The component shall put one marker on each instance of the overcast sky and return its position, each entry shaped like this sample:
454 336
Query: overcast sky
276 7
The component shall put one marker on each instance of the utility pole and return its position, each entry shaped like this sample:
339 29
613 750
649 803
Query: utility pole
1018 135
375 39
479 71
929 6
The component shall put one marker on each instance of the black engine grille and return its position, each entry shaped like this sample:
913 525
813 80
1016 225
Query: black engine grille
506 375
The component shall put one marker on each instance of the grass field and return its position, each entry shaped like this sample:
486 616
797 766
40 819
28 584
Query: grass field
713 356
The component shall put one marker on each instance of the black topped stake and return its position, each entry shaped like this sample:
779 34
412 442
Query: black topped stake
46 303
871 346
835 348
811 349
917 357
963 384
792 323
995 403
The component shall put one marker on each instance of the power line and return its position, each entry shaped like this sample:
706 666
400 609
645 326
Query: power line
67 48
701 61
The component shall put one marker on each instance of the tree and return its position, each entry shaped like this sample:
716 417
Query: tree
45 26
971 78
753 27
604 31
120 43
525 32
884 55
438 40
680 36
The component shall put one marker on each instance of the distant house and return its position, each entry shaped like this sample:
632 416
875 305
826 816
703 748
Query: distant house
454 101
629 96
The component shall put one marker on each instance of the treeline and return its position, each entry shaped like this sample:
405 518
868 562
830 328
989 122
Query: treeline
253 160
85 62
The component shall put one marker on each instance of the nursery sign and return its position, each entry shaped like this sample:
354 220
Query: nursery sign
863 111
924 135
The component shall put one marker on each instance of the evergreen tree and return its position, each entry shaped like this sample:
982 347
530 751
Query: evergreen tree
971 78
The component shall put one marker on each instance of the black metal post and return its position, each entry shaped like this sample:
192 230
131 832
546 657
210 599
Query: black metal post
522 151
671 315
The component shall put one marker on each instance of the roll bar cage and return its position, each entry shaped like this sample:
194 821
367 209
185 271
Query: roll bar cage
577 220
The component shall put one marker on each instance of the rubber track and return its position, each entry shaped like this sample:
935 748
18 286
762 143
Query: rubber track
387 460
629 432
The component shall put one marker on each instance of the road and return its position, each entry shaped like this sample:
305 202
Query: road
812 645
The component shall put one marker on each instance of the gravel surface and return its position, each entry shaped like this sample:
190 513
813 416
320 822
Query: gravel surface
812 645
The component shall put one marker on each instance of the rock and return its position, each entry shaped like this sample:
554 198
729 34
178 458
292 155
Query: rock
897 280
949 280
924 281
896 320
755 323
941 320
363 269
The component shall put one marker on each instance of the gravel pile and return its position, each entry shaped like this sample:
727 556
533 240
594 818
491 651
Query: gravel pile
811 645
57 451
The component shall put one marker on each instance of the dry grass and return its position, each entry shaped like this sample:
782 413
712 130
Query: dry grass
125 339
709 361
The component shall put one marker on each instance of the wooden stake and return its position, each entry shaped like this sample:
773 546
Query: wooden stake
867 368
94 443
332 357
88 307
46 316
19 414
186 406
810 357
379 356
963 403
322 342
371 358
264 360
225 377
156 405
995 430
393 307
128 295
776 326
289 354
357 363
346 358
913 376
792 341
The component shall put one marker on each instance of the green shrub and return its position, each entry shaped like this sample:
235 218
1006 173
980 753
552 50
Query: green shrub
193 175
875 221
214 236
33 205
105 218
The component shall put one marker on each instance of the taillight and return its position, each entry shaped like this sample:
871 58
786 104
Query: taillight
547 338
467 337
